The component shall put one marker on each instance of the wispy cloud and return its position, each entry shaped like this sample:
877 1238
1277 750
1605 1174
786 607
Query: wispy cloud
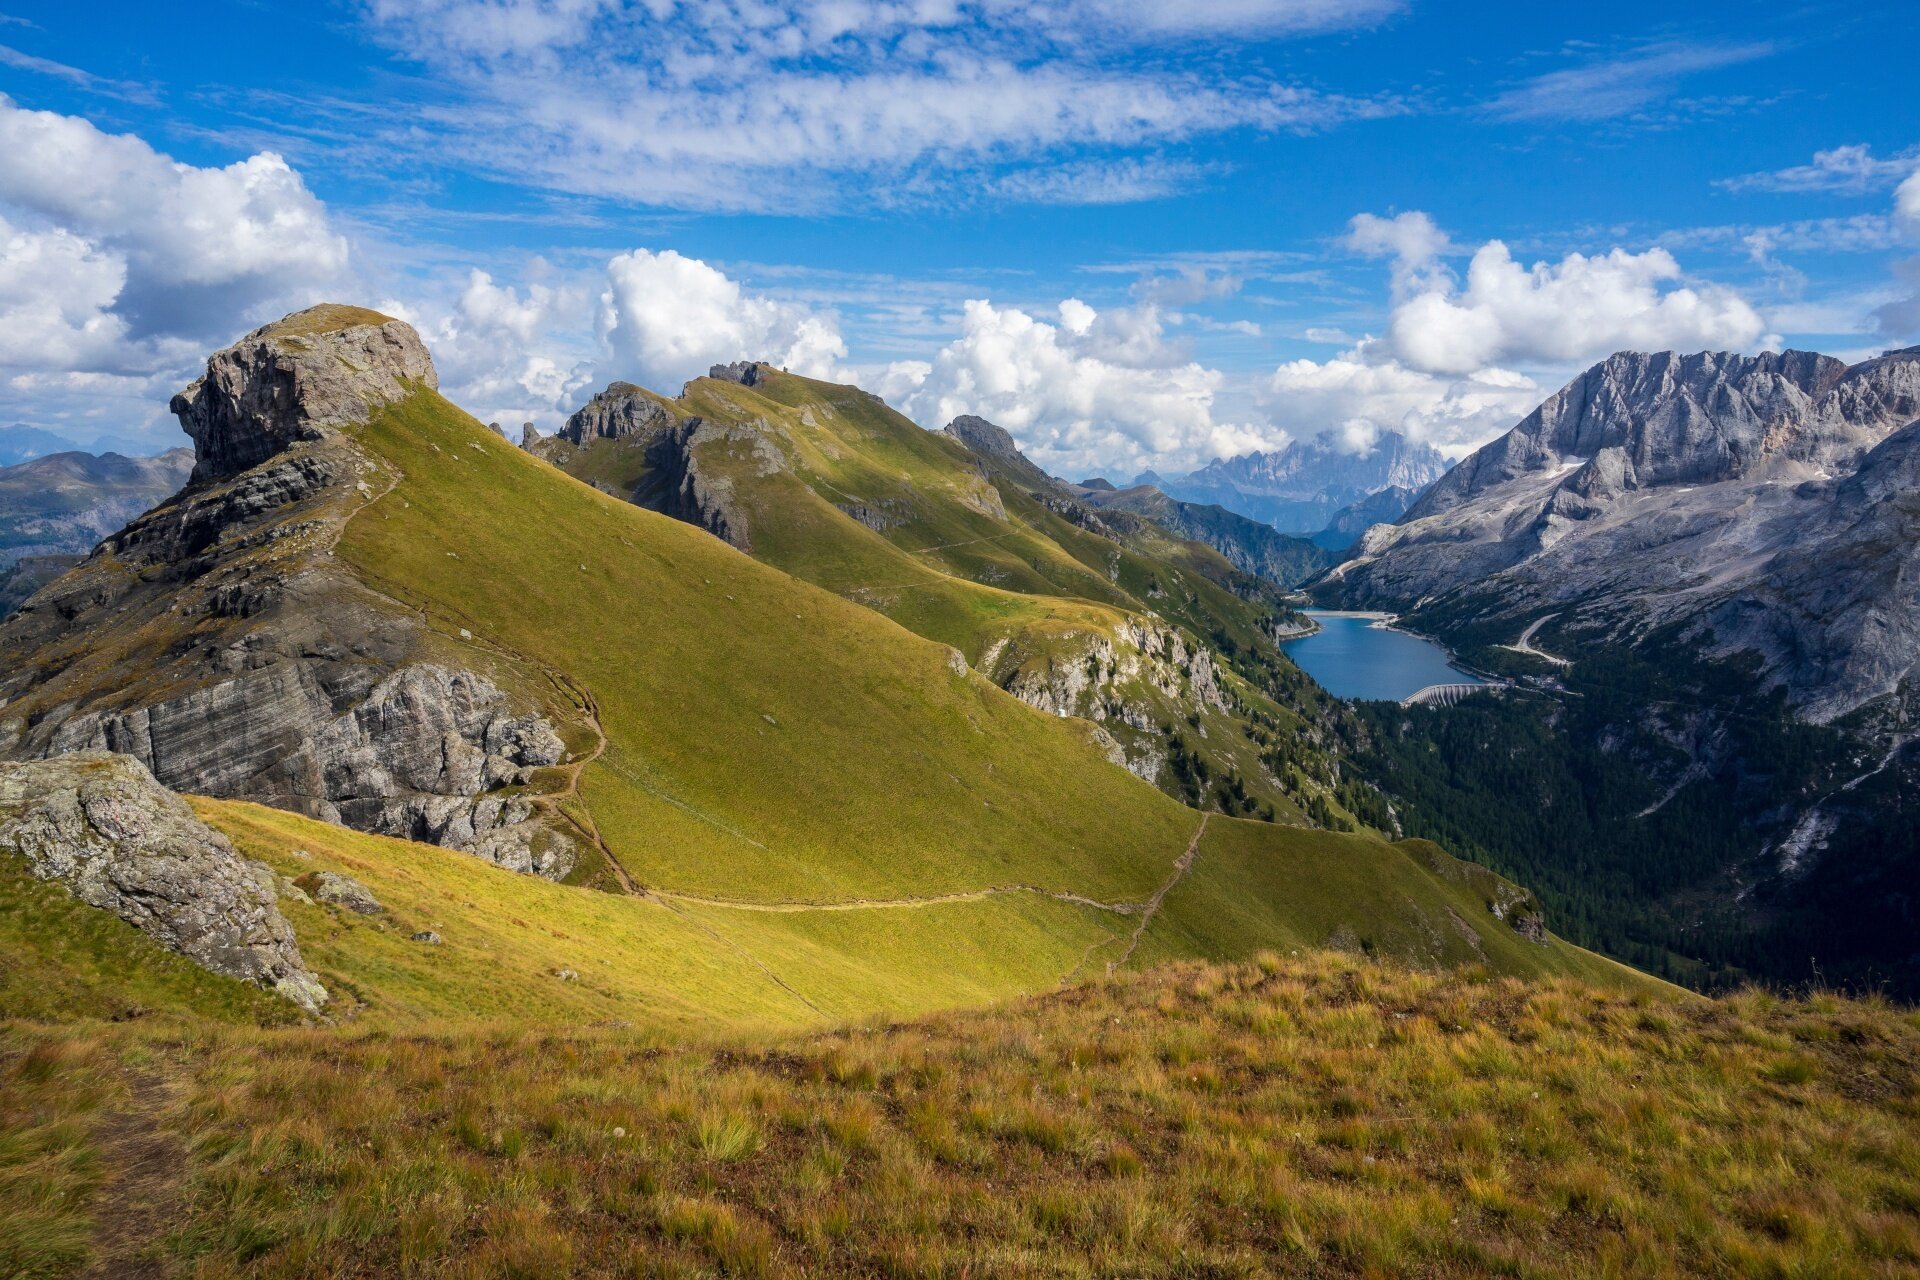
1608 88
1849 169
812 105
125 90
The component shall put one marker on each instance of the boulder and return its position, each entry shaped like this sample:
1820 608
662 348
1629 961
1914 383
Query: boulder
335 890
101 826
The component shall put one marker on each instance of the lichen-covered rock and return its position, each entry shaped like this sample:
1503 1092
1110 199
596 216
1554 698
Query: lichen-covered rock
415 756
336 890
100 825
294 379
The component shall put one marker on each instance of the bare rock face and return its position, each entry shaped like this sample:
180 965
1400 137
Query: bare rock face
622 411
101 826
414 756
294 379
1759 503
748 373
984 437
219 641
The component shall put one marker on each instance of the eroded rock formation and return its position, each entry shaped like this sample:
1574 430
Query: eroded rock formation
219 641
116 839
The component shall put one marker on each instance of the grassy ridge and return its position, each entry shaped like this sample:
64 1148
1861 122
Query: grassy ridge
765 738
1311 1116
761 743
834 487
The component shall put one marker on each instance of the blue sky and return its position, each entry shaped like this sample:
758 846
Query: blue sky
1137 234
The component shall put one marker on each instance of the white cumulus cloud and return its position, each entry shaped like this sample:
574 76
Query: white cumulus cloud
508 355
1087 390
1574 311
667 318
1363 392
1900 319
1906 205
200 245
1462 360
55 291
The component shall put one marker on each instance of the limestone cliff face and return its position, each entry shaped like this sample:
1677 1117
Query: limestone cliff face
621 412
674 474
102 827
1112 679
1736 496
295 379
218 641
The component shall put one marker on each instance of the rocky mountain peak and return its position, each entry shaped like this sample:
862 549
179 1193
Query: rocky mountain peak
748 373
295 380
620 411
1639 419
983 437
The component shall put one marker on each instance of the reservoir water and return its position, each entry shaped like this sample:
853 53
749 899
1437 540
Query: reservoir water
1353 655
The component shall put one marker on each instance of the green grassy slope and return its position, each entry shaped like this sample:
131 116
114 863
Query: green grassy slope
832 486
805 810
769 744
763 737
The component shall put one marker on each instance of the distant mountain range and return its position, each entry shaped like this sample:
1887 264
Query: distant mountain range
54 509
1302 488
22 443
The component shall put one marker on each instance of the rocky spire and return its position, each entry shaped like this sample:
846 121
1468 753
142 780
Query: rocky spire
294 380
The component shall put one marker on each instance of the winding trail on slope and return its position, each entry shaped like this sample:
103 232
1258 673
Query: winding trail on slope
582 820
1180 869
802 905
143 1197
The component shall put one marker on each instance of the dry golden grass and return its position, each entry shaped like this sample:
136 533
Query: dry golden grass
1309 1116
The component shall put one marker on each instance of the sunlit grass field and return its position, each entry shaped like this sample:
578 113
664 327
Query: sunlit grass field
1309 1115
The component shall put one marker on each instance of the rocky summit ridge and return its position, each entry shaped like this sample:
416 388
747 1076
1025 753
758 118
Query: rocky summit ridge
1300 488
1729 495
218 641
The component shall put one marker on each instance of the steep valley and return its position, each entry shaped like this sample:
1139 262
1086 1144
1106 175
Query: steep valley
1714 553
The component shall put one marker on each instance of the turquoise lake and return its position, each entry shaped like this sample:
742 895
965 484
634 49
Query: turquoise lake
1352 656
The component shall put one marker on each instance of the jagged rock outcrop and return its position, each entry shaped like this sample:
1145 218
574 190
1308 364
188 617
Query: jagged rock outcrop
748 373
219 641
1102 677
984 437
293 380
101 826
1754 501
621 412
670 474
